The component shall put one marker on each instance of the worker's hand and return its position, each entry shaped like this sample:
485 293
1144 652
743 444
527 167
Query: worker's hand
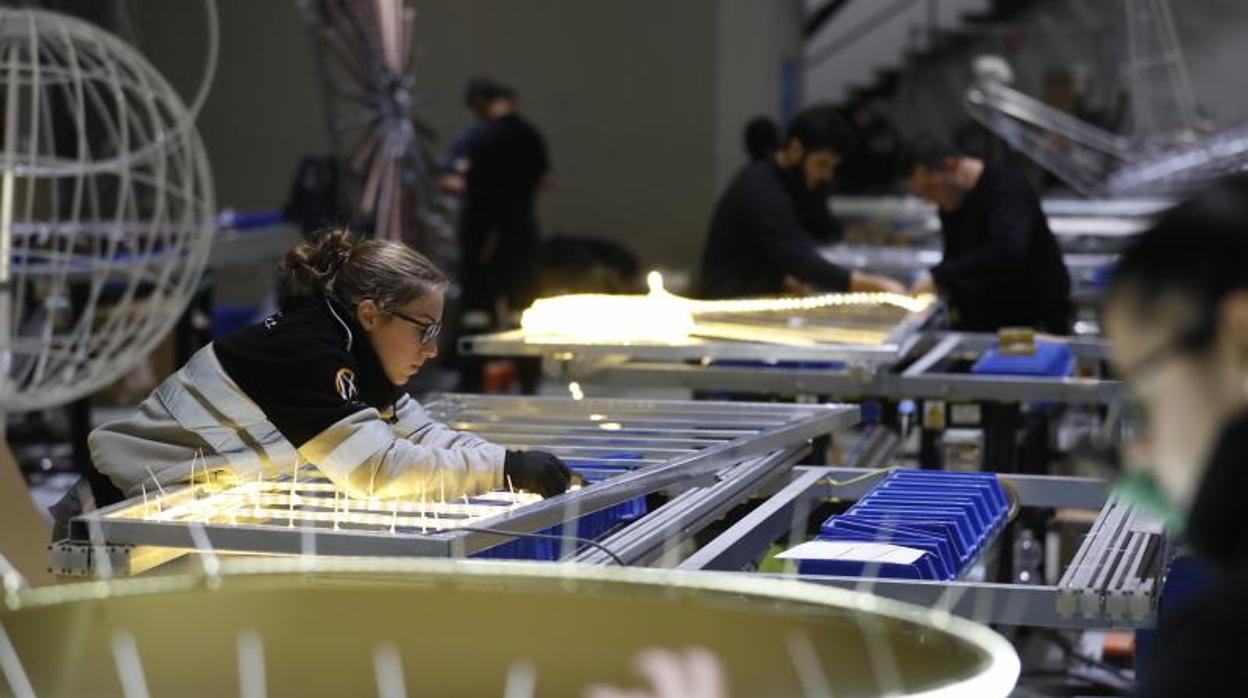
452 184
793 287
861 282
537 471
691 673
923 285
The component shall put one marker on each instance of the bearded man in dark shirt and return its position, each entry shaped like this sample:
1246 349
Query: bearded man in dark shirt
767 226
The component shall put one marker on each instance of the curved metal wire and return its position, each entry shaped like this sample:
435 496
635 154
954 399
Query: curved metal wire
106 207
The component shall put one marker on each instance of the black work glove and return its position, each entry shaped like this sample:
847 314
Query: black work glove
536 471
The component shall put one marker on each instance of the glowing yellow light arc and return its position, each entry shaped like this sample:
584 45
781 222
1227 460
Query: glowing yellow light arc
663 317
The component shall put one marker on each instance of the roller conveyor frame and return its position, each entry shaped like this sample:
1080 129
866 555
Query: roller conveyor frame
1114 572
745 433
1091 233
1112 582
1086 268
1068 218
658 536
925 375
1127 591
907 260
911 206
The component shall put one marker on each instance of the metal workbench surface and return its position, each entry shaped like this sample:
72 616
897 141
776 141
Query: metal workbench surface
779 369
648 446
1112 581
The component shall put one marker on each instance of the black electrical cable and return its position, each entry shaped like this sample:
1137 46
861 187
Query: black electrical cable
1071 677
1063 643
545 536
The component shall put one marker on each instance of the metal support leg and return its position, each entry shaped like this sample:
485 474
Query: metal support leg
747 540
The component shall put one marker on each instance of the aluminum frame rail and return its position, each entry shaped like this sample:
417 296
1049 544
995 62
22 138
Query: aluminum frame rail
1118 591
657 539
1114 572
925 377
1091 235
1085 267
1083 156
900 336
660 534
1223 153
683 444
1165 153
1074 234
914 208
906 260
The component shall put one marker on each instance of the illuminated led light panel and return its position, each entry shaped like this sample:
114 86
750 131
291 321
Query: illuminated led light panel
314 502
663 318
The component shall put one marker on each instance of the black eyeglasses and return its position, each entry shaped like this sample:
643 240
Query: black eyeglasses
1130 414
1185 342
429 330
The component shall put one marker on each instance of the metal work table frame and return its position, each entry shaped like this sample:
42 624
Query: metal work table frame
1007 604
900 340
747 431
923 378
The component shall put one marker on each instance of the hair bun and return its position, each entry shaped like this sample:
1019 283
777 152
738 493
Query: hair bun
309 268
335 263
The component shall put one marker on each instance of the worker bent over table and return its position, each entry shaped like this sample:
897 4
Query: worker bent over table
319 382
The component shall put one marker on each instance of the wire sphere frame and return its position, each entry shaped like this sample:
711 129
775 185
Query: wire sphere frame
106 208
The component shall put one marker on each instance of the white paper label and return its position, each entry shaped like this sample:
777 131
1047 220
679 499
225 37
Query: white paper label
964 414
884 553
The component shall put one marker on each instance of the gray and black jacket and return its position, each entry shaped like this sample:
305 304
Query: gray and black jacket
301 386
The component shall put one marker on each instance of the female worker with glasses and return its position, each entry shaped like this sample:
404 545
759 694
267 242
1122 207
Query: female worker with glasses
319 382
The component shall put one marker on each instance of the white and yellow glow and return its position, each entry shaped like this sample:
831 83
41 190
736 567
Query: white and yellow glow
312 501
602 318
661 317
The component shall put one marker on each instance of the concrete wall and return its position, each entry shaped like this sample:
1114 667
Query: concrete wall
642 102
753 40
1213 33
622 92
265 109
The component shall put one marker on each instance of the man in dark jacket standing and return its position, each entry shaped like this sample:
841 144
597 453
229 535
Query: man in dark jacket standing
1002 267
764 236
507 163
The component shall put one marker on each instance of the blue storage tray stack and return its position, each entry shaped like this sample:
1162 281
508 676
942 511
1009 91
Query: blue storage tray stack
1050 360
604 466
592 526
945 518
